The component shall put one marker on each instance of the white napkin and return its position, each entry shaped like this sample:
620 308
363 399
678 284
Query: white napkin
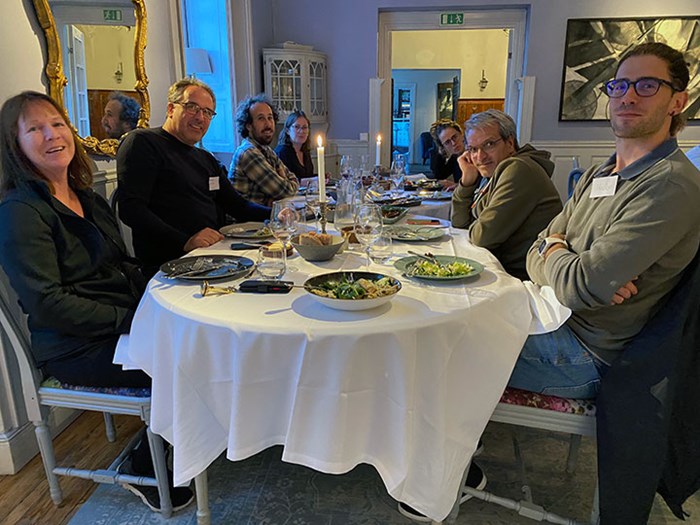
416 177
548 313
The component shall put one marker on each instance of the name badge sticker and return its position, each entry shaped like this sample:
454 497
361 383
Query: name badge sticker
604 186
214 183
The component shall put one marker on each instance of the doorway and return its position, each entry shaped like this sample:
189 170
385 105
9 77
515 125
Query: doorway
402 117
510 23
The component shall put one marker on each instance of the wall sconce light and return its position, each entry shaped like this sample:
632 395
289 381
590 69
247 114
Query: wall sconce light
484 81
119 73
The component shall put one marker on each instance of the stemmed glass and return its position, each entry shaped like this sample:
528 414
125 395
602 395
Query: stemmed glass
284 220
313 202
368 225
397 173
346 167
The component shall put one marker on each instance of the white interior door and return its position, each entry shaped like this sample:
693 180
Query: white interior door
77 97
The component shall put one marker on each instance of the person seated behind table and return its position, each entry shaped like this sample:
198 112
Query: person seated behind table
515 198
256 171
62 253
121 115
293 145
173 195
449 141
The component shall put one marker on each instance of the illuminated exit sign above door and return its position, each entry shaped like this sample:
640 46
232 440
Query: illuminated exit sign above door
451 19
112 15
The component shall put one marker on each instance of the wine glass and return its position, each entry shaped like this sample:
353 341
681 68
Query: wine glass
313 202
284 220
397 173
368 225
346 167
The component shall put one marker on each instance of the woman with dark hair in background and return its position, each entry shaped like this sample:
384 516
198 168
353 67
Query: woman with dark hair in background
63 255
293 146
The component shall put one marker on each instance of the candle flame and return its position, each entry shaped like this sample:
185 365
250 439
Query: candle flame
379 138
319 141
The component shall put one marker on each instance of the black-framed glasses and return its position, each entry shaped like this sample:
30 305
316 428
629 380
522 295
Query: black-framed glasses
644 87
453 140
486 147
192 108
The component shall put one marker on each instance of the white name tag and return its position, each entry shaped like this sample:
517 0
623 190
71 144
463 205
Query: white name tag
213 183
604 186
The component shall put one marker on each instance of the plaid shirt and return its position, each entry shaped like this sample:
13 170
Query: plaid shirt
259 175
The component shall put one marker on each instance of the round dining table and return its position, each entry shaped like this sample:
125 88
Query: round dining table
407 387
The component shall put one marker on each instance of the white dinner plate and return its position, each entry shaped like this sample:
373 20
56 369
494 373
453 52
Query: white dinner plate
247 230
349 304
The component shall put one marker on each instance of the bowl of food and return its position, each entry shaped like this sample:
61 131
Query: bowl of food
314 246
352 290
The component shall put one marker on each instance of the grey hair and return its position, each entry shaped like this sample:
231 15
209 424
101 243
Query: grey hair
506 125
177 91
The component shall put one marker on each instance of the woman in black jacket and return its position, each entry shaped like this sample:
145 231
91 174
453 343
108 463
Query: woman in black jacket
293 146
61 250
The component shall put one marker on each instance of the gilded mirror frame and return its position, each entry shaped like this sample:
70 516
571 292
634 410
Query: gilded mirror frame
57 79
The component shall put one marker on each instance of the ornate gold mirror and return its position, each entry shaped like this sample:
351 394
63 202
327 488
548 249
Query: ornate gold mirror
95 47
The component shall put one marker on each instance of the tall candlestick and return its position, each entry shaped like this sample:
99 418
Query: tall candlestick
378 160
321 171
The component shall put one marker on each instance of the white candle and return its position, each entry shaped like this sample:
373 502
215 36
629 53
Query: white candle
321 171
378 160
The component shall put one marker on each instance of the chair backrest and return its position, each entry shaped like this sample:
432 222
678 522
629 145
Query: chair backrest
123 228
13 324
426 143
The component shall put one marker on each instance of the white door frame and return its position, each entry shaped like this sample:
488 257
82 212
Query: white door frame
513 19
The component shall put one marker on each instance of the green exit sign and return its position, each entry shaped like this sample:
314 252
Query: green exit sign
112 15
451 19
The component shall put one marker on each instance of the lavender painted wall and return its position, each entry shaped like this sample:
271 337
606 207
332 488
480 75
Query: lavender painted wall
347 32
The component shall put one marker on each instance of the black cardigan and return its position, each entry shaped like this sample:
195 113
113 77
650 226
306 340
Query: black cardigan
287 155
648 419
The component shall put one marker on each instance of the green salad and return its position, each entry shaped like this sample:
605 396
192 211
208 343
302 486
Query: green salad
453 269
360 289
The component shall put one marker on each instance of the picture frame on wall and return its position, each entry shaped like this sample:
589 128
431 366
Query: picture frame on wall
444 100
594 46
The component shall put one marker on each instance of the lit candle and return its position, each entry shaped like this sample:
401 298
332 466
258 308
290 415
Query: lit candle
378 160
321 171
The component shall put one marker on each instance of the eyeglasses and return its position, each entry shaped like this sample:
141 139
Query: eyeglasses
300 128
644 87
453 140
192 109
486 147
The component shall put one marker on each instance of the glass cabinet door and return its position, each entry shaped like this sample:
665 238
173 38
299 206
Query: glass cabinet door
285 78
317 86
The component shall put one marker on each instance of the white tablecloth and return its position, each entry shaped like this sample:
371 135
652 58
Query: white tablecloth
407 387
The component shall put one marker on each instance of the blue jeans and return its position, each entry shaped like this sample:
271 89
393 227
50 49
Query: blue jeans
557 364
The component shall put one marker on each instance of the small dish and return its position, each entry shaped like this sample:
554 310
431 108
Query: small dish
320 252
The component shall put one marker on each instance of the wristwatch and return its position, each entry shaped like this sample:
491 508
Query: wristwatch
548 242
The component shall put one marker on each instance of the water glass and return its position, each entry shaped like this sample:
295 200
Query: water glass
381 250
272 263
397 173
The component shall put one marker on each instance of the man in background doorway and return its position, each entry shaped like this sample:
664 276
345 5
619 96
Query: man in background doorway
121 115
449 141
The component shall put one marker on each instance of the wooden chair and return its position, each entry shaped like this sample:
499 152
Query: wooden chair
39 396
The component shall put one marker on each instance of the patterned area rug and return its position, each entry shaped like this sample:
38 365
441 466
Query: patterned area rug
263 490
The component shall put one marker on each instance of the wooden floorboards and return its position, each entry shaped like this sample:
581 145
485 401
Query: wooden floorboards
24 497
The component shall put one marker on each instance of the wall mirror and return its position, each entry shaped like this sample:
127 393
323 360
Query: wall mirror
95 47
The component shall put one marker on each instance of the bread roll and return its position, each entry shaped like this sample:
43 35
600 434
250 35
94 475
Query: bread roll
277 246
